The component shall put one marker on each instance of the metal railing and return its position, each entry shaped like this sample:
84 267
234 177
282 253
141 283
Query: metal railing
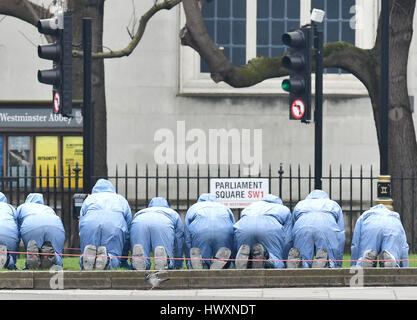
181 185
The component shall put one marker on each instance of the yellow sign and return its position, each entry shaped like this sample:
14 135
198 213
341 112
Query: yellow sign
46 160
72 154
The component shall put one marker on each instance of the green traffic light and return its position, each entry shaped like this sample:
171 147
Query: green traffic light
286 85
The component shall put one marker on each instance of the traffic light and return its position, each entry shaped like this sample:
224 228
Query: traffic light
60 52
298 62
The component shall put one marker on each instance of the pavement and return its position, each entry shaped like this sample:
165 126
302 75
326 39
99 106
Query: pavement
357 293
210 279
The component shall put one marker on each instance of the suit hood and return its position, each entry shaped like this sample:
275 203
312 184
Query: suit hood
318 194
103 185
272 199
158 202
35 198
207 197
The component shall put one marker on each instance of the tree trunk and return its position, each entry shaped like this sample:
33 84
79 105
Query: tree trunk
402 146
93 9
402 153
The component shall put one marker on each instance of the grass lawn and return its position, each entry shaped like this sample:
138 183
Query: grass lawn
411 263
72 263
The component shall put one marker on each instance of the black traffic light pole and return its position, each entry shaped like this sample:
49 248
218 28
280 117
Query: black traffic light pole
298 62
318 109
88 119
384 95
60 52
384 180
66 65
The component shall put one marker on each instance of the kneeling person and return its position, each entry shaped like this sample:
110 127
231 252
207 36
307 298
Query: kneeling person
42 232
209 234
318 232
379 231
105 219
158 228
263 234
9 234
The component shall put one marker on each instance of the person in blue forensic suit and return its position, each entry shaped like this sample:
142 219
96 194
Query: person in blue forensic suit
379 231
42 232
208 233
158 228
9 234
318 232
105 219
263 233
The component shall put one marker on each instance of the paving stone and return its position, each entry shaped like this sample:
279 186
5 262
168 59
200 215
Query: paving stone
211 279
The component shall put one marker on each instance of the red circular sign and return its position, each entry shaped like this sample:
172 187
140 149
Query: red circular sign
298 109
56 102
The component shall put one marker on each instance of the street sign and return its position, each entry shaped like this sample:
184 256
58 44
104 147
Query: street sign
298 109
239 192
57 101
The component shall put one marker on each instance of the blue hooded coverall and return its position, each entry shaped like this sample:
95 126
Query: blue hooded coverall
318 224
379 229
9 231
269 223
105 219
39 222
159 225
208 226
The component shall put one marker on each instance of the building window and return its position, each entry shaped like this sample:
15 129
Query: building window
273 19
226 23
1 155
19 158
338 23
45 156
72 157
47 164
250 28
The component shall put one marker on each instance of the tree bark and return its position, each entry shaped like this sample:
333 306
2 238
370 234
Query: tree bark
93 9
402 152
24 10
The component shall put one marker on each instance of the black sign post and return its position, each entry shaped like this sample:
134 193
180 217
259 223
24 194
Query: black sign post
88 124
384 180
318 109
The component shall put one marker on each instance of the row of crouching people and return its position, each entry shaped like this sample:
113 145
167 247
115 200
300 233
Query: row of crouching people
267 235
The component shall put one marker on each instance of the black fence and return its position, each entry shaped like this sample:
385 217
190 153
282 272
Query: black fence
181 185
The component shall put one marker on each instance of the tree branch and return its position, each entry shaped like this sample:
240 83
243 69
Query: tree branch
338 54
195 35
24 10
361 63
165 5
